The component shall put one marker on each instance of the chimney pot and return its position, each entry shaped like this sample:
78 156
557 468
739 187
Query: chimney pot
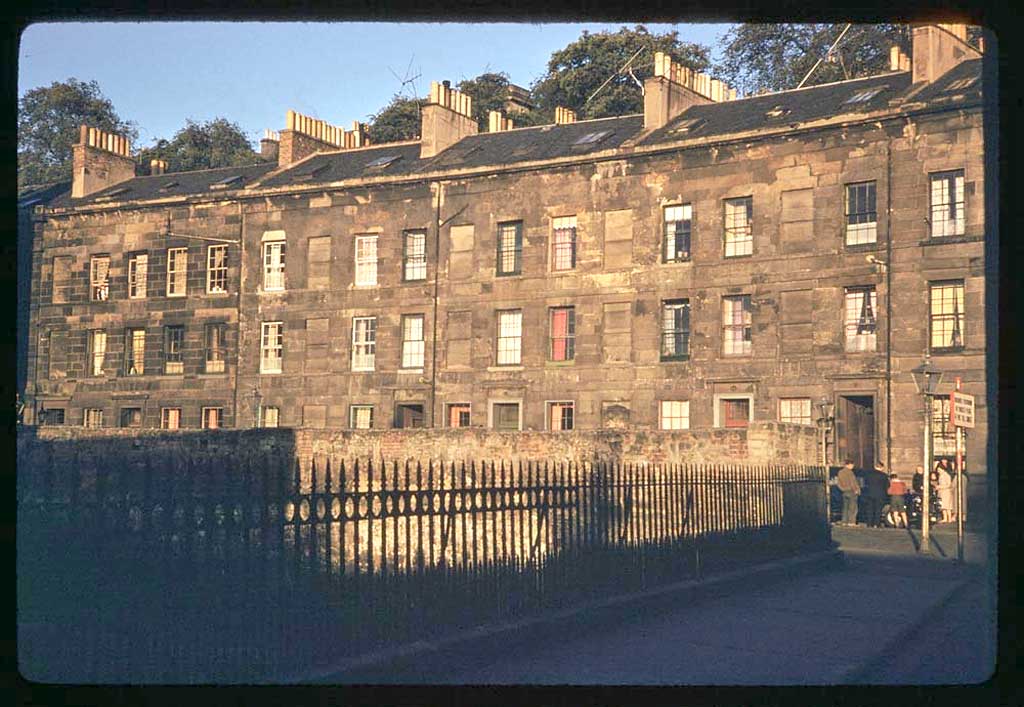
446 83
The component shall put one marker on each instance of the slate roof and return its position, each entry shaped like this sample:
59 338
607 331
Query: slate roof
786 108
172 184
35 194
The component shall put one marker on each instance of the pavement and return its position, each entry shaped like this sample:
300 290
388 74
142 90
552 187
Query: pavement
885 614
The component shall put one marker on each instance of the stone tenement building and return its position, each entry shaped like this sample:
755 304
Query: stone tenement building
710 262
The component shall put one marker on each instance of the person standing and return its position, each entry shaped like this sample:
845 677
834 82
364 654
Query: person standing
850 487
897 505
876 489
944 485
917 482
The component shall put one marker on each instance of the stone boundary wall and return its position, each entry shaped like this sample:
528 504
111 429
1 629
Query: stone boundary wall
761 444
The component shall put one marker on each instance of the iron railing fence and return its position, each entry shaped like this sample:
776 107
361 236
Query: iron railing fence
212 573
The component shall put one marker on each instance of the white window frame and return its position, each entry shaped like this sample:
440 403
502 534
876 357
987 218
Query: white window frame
853 303
138 363
413 350
364 349
746 346
221 271
718 420
549 409
940 225
503 401
174 367
177 269
272 347
564 226
786 407
353 417
509 354
167 415
671 215
97 353
739 232
366 261
92 418
274 252
414 266
448 414
214 365
680 406
939 312
860 232
99 278
206 418
270 419
138 275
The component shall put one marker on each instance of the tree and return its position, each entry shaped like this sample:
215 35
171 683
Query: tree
577 71
48 122
398 120
216 143
777 57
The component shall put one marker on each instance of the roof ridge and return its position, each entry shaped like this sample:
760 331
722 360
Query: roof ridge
196 171
817 85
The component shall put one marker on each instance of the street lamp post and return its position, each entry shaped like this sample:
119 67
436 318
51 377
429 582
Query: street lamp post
825 425
927 379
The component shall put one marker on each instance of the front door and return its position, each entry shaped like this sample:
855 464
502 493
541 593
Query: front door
855 430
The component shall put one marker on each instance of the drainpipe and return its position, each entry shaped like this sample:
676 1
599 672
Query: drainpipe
437 273
238 314
888 306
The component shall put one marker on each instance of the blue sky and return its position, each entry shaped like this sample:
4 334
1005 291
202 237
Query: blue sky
159 74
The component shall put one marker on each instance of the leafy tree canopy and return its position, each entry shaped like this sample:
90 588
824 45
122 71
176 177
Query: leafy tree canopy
577 71
48 122
398 120
776 57
215 143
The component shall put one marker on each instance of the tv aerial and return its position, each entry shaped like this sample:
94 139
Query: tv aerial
409 80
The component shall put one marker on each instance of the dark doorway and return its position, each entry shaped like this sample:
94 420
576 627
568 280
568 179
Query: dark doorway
855 430
408 415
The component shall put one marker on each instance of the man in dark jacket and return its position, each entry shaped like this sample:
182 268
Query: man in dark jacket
876 493
848 484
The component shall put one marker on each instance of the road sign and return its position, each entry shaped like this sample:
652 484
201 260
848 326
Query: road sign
961 409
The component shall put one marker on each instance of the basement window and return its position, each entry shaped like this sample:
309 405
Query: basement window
593 138
226 182
865 95
382 162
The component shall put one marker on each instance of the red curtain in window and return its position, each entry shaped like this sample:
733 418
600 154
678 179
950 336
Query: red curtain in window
559 334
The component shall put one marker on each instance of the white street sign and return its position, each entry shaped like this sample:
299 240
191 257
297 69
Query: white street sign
961 409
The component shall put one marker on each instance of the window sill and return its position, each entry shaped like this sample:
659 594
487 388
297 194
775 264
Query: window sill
418 280
411 371
181 296
504 367
561 364
674 359
737 257
940 240
272 292
270 373
507 274
949 350
862 247
680 261
363 370
216 294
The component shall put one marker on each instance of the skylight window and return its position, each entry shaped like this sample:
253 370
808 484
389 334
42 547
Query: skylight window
688 126
961 84
117 192
865 95
593 138
313 173
382 162
777 112
227 182
168 185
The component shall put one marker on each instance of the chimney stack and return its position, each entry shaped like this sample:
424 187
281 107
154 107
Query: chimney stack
270 145
497 122
937 49
898 61
674 88
157 167
564 116
304 135
99 160
445 119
